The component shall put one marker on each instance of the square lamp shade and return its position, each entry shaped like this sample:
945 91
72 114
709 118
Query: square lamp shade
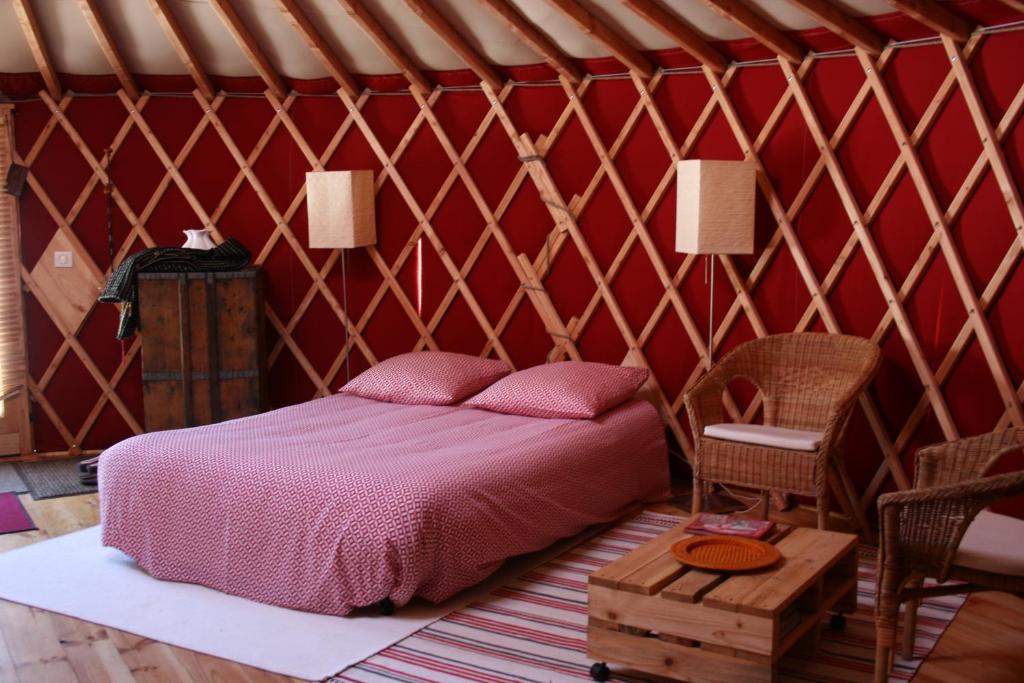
715 207
339 205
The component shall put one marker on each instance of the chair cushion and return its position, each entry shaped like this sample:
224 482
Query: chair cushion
764 435
992 543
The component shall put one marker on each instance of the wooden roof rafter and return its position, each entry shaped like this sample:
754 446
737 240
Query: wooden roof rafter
454 40
108 46
534 39
315 40
936 17
179 41
37 45
842 24
759 28
245 39
379 35
606 36
684 36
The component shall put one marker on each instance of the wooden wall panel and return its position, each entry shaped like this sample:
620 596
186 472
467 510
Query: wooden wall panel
536 222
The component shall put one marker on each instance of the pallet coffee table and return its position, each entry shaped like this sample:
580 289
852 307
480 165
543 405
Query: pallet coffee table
651 614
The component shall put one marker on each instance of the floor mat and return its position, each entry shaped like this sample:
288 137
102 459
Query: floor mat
535 628
10 482
52 478
76 576
13 517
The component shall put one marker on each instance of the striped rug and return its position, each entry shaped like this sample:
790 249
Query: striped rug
534 629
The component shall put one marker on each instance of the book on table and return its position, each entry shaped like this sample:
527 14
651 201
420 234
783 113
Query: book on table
729 525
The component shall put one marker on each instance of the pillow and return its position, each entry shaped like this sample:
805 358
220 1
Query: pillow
430 378
573 389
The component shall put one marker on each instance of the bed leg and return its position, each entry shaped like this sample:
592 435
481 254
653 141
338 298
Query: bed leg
386 607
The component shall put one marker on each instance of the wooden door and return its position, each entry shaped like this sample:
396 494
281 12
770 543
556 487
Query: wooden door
15 432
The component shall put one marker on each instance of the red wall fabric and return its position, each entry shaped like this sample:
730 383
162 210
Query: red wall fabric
983 233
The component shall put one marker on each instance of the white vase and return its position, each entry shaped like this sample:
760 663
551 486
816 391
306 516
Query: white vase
198 238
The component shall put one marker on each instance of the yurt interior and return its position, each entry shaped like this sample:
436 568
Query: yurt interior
511 341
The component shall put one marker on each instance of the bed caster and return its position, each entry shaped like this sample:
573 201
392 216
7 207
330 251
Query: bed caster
386 607
600 672
837 622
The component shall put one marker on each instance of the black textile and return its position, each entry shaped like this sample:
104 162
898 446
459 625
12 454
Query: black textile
122 287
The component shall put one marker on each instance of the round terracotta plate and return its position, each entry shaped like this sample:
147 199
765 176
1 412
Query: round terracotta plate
725 553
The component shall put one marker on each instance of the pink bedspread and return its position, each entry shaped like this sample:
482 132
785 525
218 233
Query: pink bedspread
344 501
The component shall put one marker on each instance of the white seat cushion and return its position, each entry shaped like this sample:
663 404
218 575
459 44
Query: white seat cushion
993 543
763 435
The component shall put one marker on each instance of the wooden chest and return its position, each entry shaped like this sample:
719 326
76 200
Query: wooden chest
203 351
652 614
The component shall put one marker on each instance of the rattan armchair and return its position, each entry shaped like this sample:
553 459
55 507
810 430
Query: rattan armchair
809 382
923 534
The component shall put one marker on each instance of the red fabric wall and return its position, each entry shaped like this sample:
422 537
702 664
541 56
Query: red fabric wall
984 232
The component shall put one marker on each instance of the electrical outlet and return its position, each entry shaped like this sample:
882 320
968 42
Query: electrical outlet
63 259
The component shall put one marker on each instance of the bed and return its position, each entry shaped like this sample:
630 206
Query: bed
344 502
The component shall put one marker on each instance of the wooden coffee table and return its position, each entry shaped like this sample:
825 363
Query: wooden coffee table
650 614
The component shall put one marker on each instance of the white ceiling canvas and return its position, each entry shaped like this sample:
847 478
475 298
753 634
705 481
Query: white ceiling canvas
147 50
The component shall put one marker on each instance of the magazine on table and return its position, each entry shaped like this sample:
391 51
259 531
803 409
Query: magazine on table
729 525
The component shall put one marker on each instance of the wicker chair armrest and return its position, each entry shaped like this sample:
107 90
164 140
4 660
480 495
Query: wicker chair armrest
964 459
921 529
840 414
704 400
844 406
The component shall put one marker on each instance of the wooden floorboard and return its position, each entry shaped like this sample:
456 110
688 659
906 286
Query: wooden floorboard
985 643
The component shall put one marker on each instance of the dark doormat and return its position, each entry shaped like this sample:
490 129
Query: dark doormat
52 478
10 482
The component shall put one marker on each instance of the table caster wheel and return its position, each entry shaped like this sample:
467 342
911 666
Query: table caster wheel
837 622
600 672
386 607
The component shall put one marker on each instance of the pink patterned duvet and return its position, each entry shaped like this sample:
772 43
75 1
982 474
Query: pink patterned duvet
344 501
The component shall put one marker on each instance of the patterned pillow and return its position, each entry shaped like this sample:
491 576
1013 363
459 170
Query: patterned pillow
572 389
430 378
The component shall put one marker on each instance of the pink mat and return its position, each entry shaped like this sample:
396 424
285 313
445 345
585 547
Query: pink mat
12 515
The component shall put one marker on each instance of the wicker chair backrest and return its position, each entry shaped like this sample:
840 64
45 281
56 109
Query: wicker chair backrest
965 459
804 378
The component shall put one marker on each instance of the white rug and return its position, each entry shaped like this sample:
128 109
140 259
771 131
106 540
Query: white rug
74 575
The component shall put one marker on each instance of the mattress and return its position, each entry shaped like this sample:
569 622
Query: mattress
343 501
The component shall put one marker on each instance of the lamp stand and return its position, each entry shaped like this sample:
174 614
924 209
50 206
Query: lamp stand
344 306
711 309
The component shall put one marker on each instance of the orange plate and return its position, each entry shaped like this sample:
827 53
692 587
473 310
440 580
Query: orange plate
725 553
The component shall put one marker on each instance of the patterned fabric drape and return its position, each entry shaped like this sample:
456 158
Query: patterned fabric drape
122 286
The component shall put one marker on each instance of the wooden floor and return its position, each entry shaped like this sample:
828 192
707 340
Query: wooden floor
985 643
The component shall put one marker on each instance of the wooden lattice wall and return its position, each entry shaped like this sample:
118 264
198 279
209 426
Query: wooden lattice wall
539 219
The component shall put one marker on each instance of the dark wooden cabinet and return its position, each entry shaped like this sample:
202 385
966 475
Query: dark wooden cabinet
203 351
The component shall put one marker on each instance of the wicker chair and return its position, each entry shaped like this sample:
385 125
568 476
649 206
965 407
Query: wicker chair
935 531
808 382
